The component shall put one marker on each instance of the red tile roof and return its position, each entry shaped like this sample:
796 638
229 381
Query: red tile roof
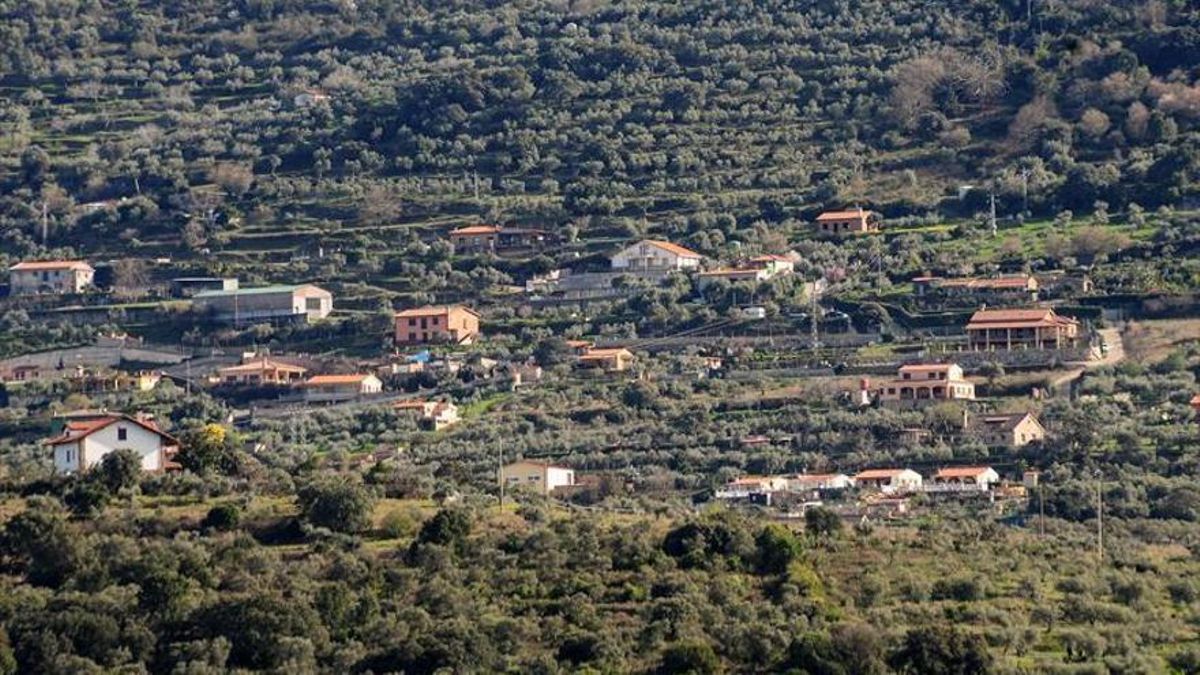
432 311
870 474
844 215
319 380
925 367
475 230
1017 318
74 432
962 471
673 248
260 365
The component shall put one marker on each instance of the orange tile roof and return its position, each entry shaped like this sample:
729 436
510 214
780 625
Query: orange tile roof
1196 400
318 380
37 265
962 471
770 257
259 365
472 230
730 272
814 477
576 344
923 367
844 215
605 353
997 283
429 310
74 432
673 248
878 473
1017 318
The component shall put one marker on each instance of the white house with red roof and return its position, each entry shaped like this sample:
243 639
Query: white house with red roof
334 388
656 255
889 481
964 479
50 277
86 439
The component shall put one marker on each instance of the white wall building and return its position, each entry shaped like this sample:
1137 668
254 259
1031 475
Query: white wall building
536 476
652 254
84 441
889 481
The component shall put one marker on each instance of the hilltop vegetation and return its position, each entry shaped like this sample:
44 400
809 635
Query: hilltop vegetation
695 119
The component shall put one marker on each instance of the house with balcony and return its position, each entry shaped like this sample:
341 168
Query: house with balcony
652 255
610 360
889 481
260 371
478 239
963 479
1009 329
921 383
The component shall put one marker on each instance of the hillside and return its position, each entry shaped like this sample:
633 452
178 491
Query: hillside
693 120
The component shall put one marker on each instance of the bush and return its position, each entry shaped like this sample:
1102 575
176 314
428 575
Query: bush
222 517
689 657
337 505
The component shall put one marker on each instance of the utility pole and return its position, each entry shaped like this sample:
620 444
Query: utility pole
1041 510
45 222
500 471
992 214
1100 518
1024 189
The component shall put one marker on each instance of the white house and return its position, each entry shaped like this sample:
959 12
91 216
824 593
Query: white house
331 388
537 476
655 255
889 481
819 481
741 488
964 479
85 440
302 303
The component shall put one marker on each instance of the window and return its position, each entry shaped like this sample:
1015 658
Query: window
412 337
412 322
434 321
312 304
424 323
122 434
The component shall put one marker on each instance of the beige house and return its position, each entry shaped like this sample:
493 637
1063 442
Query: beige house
853 221
261 370
611 360
889 481
536 476
60 277
435 415
927 383
1013 430
656 255
303 303
454 324
85 440
335 388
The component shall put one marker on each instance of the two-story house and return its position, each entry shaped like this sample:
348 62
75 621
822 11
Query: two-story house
60 277
454 324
